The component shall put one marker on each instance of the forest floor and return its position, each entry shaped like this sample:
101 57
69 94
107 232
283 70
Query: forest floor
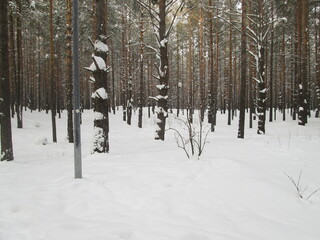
149 190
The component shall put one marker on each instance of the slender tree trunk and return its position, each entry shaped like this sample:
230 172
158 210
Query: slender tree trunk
211 68
69 71
141 96
202 68
283 75
19 82
230 68
243 70
271 70
52 79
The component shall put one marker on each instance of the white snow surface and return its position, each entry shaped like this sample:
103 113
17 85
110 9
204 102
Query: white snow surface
100 46
100 93
148 190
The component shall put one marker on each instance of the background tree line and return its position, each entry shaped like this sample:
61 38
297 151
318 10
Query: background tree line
208 46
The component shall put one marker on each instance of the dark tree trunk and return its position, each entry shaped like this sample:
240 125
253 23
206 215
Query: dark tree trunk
19 82
69 71
163 71
6 152
52 79
100 96
243 70
141 92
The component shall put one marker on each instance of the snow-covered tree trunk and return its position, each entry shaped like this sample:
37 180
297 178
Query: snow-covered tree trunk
163 71
261 102
6 152
100 96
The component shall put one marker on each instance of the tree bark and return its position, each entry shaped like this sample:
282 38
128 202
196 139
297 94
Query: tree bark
6 152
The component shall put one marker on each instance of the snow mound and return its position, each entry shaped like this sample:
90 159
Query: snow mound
42 141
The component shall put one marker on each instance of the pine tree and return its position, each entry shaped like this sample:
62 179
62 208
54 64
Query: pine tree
6 152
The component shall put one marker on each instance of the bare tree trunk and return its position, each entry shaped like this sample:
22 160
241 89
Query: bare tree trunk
303 83
243 70
52 78
271 70
69 71
141 96
6 150
19 82
230 67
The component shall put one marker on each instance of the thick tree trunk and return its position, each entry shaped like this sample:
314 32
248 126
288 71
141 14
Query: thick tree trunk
163 71
6 151
100 96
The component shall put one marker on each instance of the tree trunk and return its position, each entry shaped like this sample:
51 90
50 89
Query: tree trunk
52 79
163 71
141 92
6 150
19 80
69 71
243 70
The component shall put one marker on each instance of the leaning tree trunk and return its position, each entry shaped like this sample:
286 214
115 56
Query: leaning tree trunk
6 152
163 71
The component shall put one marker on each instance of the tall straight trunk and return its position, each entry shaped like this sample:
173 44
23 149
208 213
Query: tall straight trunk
6 149
202 67
271 70
283 75
52 79
211 68
230 67
190 72
100 96
69 70
124 68
12 63
113 83
243 70
163 71
19 82
141 85
251 75
216 74
303 84
260 63
179 84
317 46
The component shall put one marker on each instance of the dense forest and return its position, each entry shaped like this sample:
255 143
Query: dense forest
255 57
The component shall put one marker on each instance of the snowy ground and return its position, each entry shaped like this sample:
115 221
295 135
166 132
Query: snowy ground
148 190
